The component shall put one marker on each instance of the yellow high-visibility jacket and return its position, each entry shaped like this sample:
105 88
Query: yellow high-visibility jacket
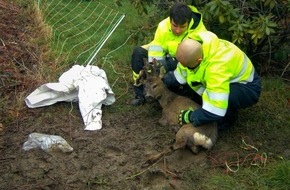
165 42
223 63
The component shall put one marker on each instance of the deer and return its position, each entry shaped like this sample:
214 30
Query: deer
188 135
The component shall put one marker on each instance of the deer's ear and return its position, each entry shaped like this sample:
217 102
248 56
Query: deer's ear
155 63
162 72
145 61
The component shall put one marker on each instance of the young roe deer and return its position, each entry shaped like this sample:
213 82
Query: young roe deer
171 103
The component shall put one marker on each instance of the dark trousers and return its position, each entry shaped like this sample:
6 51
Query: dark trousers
244 95
241 96
137 64
137 58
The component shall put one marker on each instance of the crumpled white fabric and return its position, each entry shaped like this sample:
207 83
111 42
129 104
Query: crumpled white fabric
87 85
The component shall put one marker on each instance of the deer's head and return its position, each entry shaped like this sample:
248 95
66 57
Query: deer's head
154 73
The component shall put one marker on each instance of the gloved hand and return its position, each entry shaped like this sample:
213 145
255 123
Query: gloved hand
169 80
169 63
163 64
184 116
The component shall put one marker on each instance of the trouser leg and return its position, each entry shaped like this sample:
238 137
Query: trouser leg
241 96
137 64
244 95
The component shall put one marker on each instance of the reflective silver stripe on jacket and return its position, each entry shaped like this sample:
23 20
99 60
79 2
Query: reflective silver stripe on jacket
158 53
200 90
246 64
179 78
212 109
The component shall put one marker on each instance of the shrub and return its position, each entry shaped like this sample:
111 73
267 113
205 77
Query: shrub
259 27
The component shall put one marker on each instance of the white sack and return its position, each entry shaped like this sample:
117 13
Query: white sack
87 85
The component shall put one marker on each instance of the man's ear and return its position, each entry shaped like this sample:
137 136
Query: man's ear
199 60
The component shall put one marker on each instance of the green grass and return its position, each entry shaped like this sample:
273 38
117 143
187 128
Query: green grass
274 175
79 28
278 175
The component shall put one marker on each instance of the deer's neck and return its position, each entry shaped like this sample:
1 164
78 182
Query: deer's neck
166 97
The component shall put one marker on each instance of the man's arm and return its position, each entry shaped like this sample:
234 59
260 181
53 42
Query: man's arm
169 80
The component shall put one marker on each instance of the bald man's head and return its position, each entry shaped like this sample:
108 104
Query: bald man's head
189 53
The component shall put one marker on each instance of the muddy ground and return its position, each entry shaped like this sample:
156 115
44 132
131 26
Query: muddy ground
111 158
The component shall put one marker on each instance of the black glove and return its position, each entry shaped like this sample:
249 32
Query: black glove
169 63
169 80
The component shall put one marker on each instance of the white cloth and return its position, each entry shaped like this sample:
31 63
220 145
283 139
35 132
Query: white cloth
87 85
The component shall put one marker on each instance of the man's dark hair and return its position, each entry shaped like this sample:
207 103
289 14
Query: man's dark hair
180 14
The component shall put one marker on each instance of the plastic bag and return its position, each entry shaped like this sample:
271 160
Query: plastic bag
46 143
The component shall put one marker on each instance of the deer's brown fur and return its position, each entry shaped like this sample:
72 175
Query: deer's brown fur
171 103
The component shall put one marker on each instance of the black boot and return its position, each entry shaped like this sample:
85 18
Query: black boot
139 96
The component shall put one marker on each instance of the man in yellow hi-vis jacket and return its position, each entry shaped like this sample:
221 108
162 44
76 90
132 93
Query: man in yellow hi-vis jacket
220 73
183 20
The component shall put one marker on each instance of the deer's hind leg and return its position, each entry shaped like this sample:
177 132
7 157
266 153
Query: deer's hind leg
202 140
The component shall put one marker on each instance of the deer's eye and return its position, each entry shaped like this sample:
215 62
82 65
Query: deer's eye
154 86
